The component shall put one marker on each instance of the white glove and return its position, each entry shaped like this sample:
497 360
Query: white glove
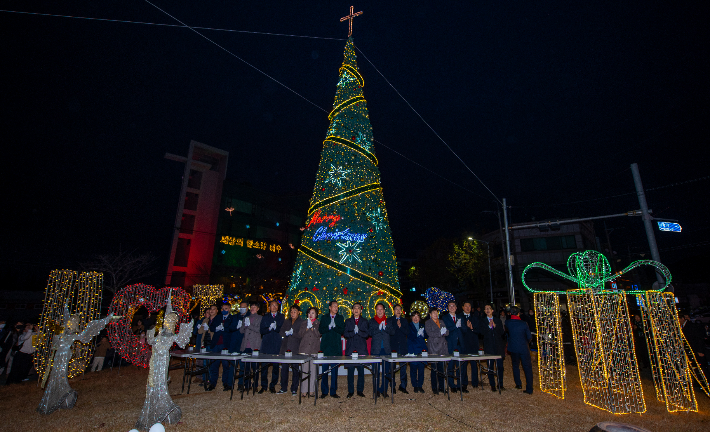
247 322
220 328
272 326
382 325
420 332
289 333
310 324
205 326
356 329
458 323
443 330
331 325
239 325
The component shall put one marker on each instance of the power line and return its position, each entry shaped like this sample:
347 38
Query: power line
428 125
167 25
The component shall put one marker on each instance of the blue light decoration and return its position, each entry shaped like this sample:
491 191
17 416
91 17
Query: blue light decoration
223 252
669 226
247 226
437 298
345 235
277 224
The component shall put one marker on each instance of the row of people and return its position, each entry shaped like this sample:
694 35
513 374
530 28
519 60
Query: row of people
273 333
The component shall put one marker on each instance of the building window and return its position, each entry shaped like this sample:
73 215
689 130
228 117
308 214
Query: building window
182 252
195 179
548 243
178 279
187 224
191 201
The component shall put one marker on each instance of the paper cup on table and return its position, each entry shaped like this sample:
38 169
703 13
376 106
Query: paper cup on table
394 354
288 353
320 354
456 353
480 352
255 353
425 354
204 350
225 352
354 355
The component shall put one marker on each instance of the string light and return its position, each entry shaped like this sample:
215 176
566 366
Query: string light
83 295
207 295
438 298
125 304
551 361
672 375
419 306
346 251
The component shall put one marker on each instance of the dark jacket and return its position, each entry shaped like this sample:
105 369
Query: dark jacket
356 342
197 334
471 344
380 338
330 342
415 343
271 339
398 342
224 334
455 338
293 341
493 338
518 336
235 342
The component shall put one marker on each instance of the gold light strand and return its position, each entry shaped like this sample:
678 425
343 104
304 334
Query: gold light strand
550 351
207 295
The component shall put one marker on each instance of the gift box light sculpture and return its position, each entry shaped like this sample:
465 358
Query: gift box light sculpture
603 340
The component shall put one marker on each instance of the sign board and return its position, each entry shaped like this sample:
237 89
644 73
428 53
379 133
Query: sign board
669 226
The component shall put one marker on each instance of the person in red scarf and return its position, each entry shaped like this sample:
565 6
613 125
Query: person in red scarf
518 345
380 345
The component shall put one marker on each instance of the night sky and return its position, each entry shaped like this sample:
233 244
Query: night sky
547 102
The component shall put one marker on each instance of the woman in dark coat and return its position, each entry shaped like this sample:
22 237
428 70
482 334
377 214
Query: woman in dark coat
416 343
436 344
493 332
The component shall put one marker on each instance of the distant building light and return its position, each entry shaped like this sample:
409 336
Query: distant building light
277 224
223 251
279 259
669 226
247 226
413 289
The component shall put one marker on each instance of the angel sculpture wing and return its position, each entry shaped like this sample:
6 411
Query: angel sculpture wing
183 337
151 336
93 328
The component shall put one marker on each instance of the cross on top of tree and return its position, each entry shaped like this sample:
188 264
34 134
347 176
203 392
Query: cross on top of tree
350 18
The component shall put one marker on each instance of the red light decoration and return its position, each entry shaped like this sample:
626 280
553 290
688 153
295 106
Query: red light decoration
380 273
126 302
317 218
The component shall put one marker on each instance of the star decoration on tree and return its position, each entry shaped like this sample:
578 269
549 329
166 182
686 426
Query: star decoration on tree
349 251
377 217
363 141
296 278
345 78
336 175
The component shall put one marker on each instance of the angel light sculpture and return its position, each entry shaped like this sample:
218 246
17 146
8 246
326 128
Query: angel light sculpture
158 406
601 330
58 394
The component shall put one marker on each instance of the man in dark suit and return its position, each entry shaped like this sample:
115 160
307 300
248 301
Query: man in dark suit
219 325
454 340
491 327
469 331
291 339
271 344
398 342
518 346
331 328
381 333
236 338
356 334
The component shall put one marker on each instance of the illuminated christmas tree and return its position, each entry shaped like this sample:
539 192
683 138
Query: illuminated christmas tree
346 253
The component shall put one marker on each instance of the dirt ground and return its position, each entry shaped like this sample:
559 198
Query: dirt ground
109 401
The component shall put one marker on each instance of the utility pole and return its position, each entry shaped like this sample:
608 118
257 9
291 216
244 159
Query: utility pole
507 246
646 218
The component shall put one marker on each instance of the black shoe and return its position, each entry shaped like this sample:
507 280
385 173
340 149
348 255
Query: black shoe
262 390
227 388
394 391
464 390
436 392
519 387
210 388
323 395
527 392
403 390
282 391
493 389
350 395
421 390
361 394
240 388
385 395
454 389
501 388
335 395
